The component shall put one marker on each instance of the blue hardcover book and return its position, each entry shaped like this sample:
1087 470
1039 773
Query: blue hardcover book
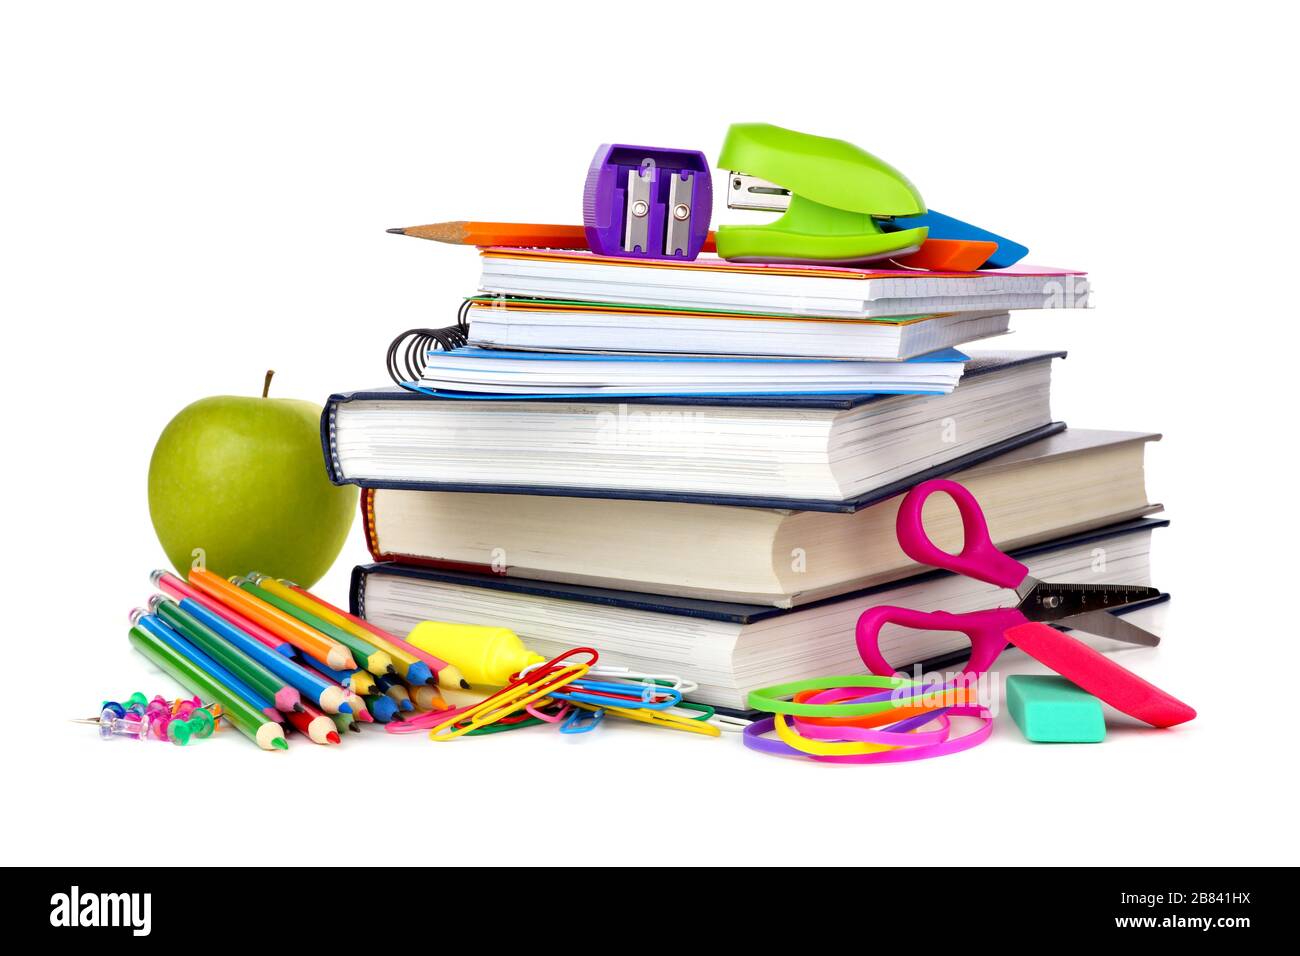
809 452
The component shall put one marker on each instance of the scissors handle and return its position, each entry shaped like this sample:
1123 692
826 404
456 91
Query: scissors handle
979 558
986 630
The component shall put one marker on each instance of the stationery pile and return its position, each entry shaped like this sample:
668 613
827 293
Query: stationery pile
693 462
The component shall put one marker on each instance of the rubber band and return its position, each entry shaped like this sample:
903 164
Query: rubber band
754 739
891 736
950 697
769 698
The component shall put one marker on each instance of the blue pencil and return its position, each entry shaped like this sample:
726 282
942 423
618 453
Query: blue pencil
383 708
164 632
329 697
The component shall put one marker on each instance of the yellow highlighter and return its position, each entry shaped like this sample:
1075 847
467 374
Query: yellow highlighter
485 655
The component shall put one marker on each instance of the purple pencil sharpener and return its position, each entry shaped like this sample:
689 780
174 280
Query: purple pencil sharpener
647 203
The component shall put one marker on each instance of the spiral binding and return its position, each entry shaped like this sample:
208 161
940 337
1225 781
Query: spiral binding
407 352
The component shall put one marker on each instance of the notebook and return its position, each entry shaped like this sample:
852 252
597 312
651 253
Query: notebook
818 452
729 649
552 325
476 372
828 291
1073 481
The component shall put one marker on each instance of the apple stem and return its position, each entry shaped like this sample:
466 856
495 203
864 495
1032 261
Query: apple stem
266 385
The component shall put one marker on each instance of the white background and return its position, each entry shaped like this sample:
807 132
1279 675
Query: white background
194 194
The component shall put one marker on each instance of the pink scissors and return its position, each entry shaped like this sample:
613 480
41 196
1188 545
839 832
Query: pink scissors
1086 607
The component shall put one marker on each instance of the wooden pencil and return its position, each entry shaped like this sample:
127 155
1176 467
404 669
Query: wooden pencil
273 619
447 675
364 653
409 667
427 698
523 235
253 724
250 671
319 729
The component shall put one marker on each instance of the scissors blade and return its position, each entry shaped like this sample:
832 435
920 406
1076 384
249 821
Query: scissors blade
1048 601
1106 624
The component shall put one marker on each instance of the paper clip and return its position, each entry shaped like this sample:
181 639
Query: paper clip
624 695
577 723
502 726
670 681
659 718
724 722
537 711
512 697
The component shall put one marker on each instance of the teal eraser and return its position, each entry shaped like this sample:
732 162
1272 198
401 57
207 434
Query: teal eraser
1050 710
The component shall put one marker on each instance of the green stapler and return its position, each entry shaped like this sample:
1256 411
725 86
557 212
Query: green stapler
833 195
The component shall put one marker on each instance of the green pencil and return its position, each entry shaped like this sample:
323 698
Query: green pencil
250 722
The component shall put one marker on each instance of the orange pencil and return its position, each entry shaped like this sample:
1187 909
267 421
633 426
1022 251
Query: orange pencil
306 639
530 235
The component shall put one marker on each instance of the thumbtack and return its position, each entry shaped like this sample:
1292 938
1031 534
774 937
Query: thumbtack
111 725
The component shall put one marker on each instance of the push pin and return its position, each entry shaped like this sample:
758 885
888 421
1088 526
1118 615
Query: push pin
111 725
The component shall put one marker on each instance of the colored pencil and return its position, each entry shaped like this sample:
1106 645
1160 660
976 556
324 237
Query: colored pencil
383 708
409 667
251 672
182 646
179 590
236 711
315 725
345 722
518 234
354 701
448 675
427 698
364 653
391 687
359 681
273 619
326 695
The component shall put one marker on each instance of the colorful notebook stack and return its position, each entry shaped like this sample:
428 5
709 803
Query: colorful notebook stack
694 466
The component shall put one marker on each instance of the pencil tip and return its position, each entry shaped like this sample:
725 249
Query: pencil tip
464 684
399 231
354 727
279 743
333 737
298 708
391 669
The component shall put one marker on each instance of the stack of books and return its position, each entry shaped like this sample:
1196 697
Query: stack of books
694 467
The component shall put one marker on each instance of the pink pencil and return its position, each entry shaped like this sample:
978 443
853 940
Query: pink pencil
174 587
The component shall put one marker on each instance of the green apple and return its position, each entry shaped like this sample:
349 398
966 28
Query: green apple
239 484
